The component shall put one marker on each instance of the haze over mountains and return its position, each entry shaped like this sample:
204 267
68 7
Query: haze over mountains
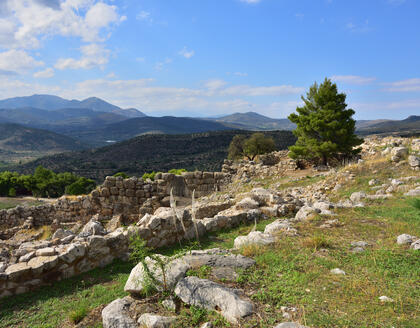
94 122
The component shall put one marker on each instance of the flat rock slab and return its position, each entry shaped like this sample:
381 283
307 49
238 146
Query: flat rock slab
212 296
177 268
115 314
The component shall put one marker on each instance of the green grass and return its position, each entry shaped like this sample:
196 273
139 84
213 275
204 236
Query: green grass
6 203
66 301
295 272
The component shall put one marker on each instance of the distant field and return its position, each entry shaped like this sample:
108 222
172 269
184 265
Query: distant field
10 202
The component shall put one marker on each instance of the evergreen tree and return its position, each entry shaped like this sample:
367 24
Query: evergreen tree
325 127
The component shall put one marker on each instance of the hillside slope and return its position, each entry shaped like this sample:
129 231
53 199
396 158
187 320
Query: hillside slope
14 138
203 151
255 121
147 125
409 125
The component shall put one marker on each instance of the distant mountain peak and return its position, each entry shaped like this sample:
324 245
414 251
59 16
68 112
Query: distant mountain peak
52 103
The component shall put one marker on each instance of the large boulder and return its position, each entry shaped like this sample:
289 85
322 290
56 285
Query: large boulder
115 314
398 153
247 204
212 296
305 213
290 325
357 196
279 226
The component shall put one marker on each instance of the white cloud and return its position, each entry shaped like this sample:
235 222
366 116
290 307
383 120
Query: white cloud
353 79
161 65
246 90
45 74
359 28
186 53
409 85
17 61
240 74
25 23
92 55
215 84
144 16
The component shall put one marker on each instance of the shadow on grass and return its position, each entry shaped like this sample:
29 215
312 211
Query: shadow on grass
65 287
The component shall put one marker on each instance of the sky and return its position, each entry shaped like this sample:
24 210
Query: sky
212 57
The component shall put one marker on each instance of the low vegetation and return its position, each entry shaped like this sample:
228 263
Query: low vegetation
43 183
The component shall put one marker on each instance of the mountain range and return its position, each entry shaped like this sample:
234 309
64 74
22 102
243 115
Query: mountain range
95 122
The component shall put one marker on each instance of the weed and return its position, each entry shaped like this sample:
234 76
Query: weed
78 314
317 242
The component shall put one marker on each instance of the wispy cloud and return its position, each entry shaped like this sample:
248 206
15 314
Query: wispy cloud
161 65
45 74
359 27
353 79
184 52
144 16
409 85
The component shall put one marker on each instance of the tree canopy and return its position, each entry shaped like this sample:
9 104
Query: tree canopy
325 127
255 145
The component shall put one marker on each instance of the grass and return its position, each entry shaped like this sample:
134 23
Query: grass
67 301
6 202
294 272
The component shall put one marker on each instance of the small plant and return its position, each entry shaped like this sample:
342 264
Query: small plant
150 176
121 174
78 314
202 272
317 242
198 315
416 203
139 254
177 171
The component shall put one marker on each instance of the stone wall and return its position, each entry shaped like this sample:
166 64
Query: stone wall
131 196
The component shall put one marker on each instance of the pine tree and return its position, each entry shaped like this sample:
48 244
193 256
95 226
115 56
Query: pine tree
325 127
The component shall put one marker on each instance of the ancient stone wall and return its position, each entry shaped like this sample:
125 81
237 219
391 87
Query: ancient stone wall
131 196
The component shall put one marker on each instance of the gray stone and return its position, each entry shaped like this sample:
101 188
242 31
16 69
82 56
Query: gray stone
337 271
277 226
149 320
27 257
175 270
41 264
61 233
415 245
305 212
254 238
247 204
3 266
115 314
356 197
92 228
48 251
212 296
290 325
169 304
404 239
72 252
15 271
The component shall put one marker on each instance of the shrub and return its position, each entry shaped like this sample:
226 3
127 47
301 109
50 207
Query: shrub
12 192
121 174
150 176
177 171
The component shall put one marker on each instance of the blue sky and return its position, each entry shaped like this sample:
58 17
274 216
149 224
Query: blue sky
213 57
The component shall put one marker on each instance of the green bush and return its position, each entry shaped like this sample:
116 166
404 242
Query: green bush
121 174
150 176
43 183
177 171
